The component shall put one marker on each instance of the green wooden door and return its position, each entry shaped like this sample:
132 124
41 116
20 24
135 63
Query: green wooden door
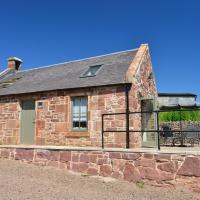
27 122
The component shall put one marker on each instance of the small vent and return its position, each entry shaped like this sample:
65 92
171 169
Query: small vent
40 105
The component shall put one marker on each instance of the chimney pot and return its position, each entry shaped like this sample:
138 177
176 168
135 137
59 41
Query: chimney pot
14 63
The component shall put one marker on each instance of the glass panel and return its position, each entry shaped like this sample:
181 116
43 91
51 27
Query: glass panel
92 70
75 117
76 102
83 109
76 125
88 73
83 124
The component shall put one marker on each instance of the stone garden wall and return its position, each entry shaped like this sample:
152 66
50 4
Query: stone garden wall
185 125
130 166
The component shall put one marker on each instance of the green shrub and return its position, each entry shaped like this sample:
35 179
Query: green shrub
175 116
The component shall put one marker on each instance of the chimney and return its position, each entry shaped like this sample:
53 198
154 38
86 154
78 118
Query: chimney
14 63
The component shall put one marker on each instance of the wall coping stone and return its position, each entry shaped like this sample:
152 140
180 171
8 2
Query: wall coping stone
180 151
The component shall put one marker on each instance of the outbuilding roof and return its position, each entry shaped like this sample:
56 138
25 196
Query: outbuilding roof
176 95
69 75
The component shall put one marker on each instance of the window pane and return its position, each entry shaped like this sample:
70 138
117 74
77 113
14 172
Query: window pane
79 115
76 114
88 73
76 125
76 117
92 71
83 106
83 117
83 124
76 103
83 109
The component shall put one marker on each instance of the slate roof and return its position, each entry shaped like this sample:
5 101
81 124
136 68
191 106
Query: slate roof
68 75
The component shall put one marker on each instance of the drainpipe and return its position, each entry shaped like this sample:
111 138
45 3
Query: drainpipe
127 88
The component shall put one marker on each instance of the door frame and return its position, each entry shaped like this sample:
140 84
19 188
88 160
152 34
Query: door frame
145 144
20 118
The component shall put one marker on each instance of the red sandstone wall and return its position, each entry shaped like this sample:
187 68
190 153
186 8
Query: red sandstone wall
53 120
9 121
142 87
121 165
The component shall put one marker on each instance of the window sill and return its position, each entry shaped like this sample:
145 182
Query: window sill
77 134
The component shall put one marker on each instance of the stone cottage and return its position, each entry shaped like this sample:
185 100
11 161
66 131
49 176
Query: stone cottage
62 104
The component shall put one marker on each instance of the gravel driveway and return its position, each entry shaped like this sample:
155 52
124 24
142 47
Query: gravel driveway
19 181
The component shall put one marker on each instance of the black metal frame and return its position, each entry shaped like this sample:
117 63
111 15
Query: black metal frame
127 88
158 131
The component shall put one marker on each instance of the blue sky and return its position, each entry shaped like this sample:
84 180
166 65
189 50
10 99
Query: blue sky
43 32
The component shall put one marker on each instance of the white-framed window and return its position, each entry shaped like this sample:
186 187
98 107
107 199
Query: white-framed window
79 113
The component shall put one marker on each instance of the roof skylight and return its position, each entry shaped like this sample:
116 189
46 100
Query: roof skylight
91 71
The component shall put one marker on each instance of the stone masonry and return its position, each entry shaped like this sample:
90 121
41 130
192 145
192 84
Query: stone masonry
130 166
53 120
143 86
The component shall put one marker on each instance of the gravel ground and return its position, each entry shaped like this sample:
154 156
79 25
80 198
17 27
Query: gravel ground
20 181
